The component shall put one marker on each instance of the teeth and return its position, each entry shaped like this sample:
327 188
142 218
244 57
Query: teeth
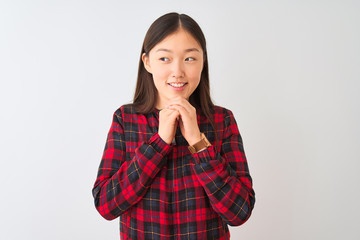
178 85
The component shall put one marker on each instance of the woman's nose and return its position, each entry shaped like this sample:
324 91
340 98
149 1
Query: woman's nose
178 69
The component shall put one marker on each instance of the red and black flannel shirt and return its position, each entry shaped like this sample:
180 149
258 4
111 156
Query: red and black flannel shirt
163 191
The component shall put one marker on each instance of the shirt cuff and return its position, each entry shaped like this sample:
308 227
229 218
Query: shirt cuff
206 155
159 145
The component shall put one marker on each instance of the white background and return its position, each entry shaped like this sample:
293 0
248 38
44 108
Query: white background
289 70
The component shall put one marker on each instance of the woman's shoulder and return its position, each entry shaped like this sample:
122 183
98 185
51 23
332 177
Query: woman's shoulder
125 109
223 117
130 112
222 111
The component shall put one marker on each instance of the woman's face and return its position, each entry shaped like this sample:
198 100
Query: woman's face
176 64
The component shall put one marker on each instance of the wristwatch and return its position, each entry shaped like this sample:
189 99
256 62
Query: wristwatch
202 144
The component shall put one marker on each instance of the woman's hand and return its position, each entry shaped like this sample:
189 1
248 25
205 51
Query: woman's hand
188 119
167 124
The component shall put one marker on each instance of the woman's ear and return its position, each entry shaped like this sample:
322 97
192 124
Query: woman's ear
146 62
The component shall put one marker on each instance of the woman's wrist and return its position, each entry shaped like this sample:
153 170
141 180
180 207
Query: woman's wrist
199 146
195 139
166 140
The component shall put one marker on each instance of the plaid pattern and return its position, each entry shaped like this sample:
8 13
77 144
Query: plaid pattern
163 191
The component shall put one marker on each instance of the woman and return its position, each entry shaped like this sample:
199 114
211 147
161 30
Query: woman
174 166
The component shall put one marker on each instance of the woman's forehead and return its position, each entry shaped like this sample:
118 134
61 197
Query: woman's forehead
179 40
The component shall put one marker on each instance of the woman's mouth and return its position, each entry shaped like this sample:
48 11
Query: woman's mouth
177 85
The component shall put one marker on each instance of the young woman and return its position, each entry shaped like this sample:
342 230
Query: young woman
174 166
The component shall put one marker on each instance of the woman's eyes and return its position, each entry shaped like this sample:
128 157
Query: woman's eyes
188 59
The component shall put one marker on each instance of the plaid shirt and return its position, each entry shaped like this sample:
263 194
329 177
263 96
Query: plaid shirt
163 191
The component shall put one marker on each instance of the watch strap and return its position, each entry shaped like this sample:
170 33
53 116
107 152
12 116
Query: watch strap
203 143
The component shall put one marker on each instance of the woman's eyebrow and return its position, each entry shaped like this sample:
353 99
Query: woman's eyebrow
164 50
186 50
192 50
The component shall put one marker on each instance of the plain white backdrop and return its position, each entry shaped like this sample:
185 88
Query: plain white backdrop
289 70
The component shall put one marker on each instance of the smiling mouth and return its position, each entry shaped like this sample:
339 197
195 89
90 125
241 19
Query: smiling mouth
177 85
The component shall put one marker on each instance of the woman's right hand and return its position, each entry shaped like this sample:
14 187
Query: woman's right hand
168 124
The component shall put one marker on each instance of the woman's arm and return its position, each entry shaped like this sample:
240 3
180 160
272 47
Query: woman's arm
225 176
120 184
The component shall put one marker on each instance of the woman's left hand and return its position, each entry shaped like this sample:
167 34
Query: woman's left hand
188 119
